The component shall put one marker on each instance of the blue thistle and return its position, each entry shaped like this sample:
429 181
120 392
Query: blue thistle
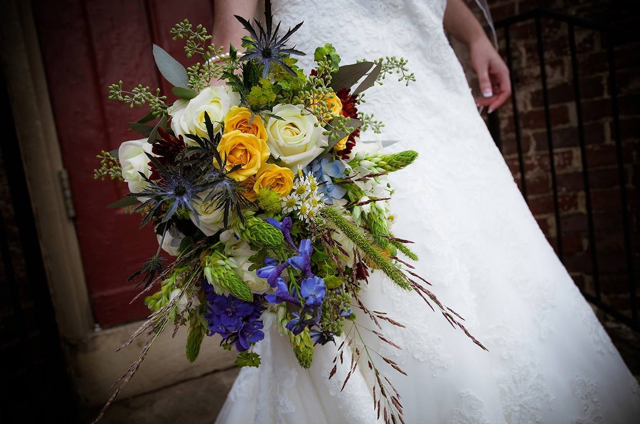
265 46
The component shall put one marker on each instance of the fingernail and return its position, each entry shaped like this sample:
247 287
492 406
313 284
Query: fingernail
487 93
490 110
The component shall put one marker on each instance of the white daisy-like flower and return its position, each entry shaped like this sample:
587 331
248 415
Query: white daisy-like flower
290 202
303 212
300 188
315 201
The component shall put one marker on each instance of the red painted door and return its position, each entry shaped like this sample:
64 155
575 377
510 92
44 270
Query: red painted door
87 45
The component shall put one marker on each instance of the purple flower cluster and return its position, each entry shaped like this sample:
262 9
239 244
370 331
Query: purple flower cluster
312 288
237 321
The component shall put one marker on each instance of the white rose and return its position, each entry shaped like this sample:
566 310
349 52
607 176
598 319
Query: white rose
240 252
210 219
187 117
133 160
295 138
172 240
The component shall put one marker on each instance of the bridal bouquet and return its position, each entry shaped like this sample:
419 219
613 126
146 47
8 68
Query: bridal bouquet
265 195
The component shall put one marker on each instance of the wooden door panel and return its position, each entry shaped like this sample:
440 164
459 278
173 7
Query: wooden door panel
86 46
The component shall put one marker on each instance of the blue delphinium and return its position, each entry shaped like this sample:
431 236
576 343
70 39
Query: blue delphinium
237 321
313 290
324 170
282 294
302 261
305 318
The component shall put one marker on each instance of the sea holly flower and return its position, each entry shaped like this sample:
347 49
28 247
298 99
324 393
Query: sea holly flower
265 46
313 290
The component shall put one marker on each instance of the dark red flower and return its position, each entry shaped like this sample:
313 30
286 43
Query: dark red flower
350 110
166 150
349 103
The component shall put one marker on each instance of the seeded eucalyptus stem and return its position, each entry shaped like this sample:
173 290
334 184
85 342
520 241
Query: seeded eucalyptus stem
358 238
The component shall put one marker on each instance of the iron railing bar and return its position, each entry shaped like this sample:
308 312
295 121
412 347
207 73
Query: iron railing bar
621 175
581 22
516 116
583 154
547 118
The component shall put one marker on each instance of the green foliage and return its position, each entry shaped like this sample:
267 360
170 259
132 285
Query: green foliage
394 65
196 41
262 96
248 359
327 60
368 123
139 96
109 167
194 340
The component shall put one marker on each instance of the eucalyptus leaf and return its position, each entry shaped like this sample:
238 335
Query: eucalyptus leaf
145 130
170 68
153 136
369 80
147 118
184 93
349 74
124 202
353 123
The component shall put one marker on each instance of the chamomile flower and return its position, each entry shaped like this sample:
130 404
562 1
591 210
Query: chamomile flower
290 202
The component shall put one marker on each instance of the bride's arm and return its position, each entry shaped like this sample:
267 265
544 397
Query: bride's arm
226 28
492 72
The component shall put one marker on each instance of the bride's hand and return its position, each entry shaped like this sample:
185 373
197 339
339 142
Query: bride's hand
492 72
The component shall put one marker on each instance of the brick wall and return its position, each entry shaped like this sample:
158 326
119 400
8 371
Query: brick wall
601 154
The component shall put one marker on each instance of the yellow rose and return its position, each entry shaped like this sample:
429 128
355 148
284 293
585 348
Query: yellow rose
276 178
342 144
247 189
243 149
239 118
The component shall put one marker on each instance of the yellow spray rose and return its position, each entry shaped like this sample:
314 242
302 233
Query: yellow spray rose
342 144
239 118
243 149
276 178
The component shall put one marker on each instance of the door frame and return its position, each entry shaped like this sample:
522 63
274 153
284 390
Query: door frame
89 350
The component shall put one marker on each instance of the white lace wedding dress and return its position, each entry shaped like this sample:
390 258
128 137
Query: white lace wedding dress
549 360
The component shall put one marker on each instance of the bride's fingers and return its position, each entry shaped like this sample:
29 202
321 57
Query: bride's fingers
504 91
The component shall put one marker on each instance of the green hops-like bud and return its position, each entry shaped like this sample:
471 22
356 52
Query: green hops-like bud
385 163
269 201
220 274
194 340
302 348
258 232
